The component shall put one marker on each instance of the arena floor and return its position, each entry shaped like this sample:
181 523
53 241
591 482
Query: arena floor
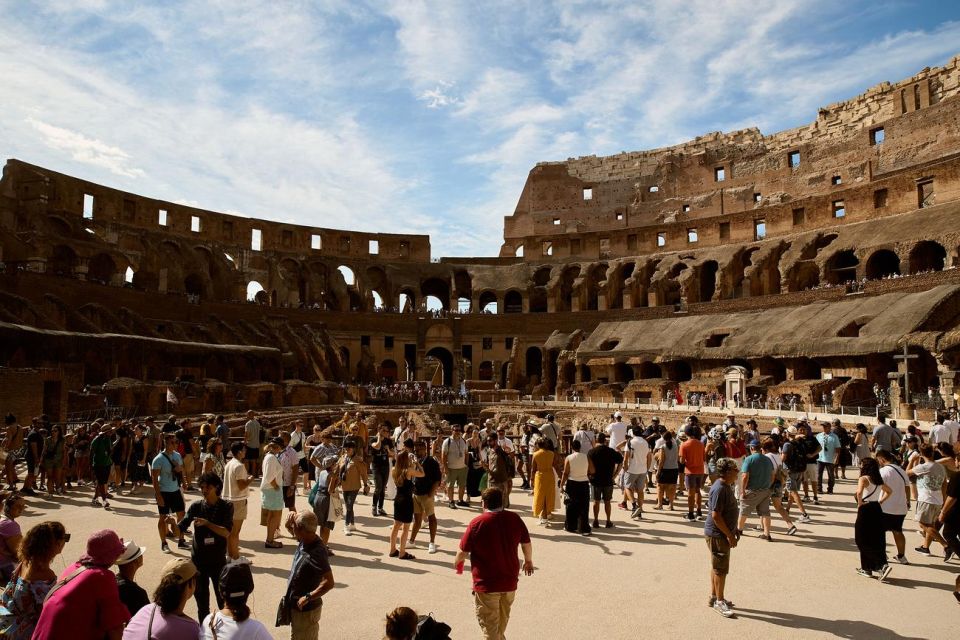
648 579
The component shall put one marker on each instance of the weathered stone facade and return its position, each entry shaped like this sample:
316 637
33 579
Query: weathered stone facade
642 274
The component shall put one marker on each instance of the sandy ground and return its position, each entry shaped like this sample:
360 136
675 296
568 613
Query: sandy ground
646 579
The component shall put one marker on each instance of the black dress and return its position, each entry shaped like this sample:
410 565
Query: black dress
403 502
474 472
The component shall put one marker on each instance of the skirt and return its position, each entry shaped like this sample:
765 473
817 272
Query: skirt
403 508
272 499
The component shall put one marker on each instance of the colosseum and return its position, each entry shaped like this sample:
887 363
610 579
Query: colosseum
814 266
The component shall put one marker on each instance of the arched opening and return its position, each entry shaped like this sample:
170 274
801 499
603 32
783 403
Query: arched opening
597 274
434 304
463 305
63 261
534 365
518 252
128 275
438 289
462 285
671 286
101 268
193 284
254 289
568 375
927 256
811 250
377 301
680 371
617 285
805 275
807 369
565 288
348 275
708 280
488 302
512 302
485 372
842 267
622 372
650 370
444 360
882 264
408 301
585 373
388 371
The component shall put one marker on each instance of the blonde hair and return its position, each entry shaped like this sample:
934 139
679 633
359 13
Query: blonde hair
400 469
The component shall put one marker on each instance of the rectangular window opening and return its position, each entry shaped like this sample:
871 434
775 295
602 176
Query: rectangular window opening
195 224
793 159
719 174
404 248
686 208
256 240
654 189
877 136
799 216
724 230
835 180
487 344
364 341
925 194
879 198
228 229
661 239
619 217
508 342
757 198
588 193
556 222
632 242
162 217
759 229
388 342
547 248
316 242
604 248
575 246
286 238
839 210
87 206
692 236
374 247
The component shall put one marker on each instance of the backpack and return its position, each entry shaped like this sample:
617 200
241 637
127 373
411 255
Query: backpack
797 458
428 628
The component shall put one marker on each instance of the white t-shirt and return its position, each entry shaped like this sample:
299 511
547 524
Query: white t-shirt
639 449
617 432
272 472
455 450
586 438
300 437
230 629
775 459
551 432
896 479
506 444
579 466
954 427
930 479
234 471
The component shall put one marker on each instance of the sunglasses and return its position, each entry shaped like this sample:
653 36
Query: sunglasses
66 537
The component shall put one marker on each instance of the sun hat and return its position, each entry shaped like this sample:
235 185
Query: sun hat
103 548
131 551
182 568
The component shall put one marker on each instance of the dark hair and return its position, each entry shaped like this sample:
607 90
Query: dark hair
212 480
945 449
40 542
575 445
212 444
169 592
236 585
492 498
8 499
668 439
236 448
927 451
870 468
769 445
886 455
401 624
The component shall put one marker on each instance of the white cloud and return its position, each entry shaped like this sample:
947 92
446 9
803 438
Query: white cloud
86 150
440 96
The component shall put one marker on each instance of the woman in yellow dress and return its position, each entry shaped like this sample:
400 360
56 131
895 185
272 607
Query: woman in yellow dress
544 480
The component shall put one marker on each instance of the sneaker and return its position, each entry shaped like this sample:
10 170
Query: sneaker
816 501
864 573
792 530
463 503
637 514
164 547
431 548
623 505
452 505
923 551
182 544
884 572
347 531
723 609
804 519
94 503
689 517
711 601
411 544
700 516
901 559
106 505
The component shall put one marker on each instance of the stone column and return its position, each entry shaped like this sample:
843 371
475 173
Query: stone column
948 387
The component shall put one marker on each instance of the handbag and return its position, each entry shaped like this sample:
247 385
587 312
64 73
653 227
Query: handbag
283 613
336 507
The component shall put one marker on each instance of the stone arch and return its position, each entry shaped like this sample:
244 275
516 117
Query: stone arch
564 288
882 263
293 283
596 275
437 288
407 300
679 371
513 302
649 370
62 261
623 372
445 358
671 284
485 370
617 284
488 298
804 275
706 281
193 284
927 256
533 365
841 267
101 268
388 371
462 284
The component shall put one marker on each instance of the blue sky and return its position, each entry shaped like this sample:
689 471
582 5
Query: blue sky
420 117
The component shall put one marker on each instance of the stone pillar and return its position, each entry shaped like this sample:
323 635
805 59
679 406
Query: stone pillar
898 408
602 301
948 387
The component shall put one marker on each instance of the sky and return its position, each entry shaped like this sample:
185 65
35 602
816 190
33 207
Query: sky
416 116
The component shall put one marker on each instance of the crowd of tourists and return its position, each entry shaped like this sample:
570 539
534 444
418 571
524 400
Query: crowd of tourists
719 474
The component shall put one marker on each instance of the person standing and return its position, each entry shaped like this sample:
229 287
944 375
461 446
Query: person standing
350 477
291 467
252 432
828 457
52 457
667 454
896 507
794 459
165 618
756 477
586 437
491 542
861 444
577 469
885 437
869 532
498 466
637 463
551 431
133 596
298 441
424 489
236 484
310 577
811 449
212 519
606 462
382 450
693 457
949 517
404 473
222 431
720 532
13 440
544 480
233 621
100 458
931 493
167 475
22 599
454 462
271 493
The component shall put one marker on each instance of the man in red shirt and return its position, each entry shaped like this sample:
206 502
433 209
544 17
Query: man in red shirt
491 541
692 454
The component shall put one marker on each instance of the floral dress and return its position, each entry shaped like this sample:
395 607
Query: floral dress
20 605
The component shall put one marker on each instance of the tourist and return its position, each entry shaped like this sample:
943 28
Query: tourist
896 507
382 450
425 488
119 452
165 619
844 454
132 595
497 463
185 445
756 478
885 437
325 448
769 448
585 436
551 431
491 542
827 459
869 532
401 624
81 454
290 462
475 471
100 458
577 469
252 432
53 457
666 453
167 474
909 456
22 599
606 463
222 431
298 441
794 458
949 517
212 519
233 621
84 603
931 493
310 577
692 456
236 484
811 449
350 476
453 462
137 471
404 472
636 462
12 505
542 470
861 444
12 447
271 492
326 484
33 446
720 531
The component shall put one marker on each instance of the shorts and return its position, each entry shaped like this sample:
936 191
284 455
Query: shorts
668 476
172 503
892 522
31 464
927 513
758 501
457 477
719 555
795 480
271 499
101 473
776 491
239 509
693 482
423 505
253 454
304 465
810 473
635 481
602 493
290 498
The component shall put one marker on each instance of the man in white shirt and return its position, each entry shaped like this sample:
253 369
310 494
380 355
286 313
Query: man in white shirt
944 431
636 462
453 463
617 431
896 507
551 432
235 484
954 428
586 437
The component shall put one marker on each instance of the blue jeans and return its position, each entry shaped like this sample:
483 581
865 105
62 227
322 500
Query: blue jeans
831 475
349 497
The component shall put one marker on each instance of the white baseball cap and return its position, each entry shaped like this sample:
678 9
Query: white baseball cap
617 414
131 551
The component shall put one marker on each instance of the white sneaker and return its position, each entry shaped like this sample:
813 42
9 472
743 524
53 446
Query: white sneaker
432 548
411 544
353 527
347 531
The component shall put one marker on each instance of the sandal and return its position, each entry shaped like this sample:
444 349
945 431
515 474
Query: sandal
407 556
394 553
273 545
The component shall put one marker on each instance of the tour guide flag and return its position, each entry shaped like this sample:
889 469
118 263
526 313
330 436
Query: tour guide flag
172 399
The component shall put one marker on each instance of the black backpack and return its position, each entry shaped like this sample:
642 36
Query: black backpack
429 628
797 458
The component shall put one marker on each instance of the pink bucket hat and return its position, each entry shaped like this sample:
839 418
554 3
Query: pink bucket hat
103 548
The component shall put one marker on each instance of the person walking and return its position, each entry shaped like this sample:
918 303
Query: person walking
769 448
693 459
349 475
636 461
310 577
720 531
497 462
474 455
666 452
869 532
931 492
756 478
424 489
577 469
100 458
271 493
167 474
606 462
404 472
896 507
490 542
861 444
233 621
544 480
382 451
22 599
252 436
827 458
